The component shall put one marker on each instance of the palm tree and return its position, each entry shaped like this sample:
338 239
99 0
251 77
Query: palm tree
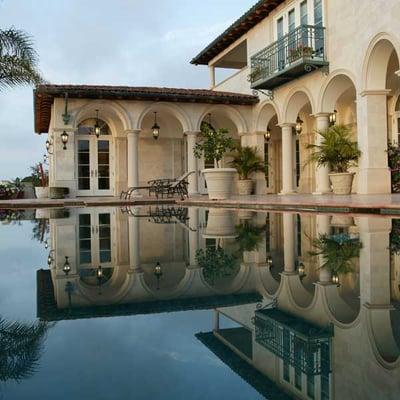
20 348
18 59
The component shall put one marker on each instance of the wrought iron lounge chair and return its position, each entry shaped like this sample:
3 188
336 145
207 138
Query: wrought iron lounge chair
163 186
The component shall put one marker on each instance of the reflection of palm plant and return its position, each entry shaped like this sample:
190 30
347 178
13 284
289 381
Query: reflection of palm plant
249 236
216 263
20 349
338 252
40 229
337 150
246 161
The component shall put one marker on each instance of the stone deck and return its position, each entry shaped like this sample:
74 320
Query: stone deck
357 204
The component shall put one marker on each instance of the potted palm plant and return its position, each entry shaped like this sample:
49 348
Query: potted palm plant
213 146
246 161
338 252
249 236
40 180
337 151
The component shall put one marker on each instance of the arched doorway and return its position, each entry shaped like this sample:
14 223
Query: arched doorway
94 155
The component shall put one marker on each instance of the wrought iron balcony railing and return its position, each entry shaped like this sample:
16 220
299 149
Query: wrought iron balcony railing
295 54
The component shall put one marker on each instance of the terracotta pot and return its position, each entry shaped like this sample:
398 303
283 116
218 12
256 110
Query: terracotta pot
219 182
342 183
245 187
41 192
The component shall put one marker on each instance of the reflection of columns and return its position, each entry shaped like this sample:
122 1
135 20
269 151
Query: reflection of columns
216 320
133 157
287 159
322 178
193 214
374 174
374 260
134 243
288 243
192 162
323 228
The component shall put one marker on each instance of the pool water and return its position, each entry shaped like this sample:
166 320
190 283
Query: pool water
190 303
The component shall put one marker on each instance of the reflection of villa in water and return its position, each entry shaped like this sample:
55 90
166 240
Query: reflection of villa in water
295 331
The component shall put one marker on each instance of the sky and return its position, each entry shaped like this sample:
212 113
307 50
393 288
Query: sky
119 42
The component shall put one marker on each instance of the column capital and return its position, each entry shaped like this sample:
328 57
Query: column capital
375 92
243 134
259 133
192 133
133 131
287 125
321 114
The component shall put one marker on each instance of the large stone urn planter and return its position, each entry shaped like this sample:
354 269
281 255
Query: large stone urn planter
220 224
245 187
42 192
219 182
342 183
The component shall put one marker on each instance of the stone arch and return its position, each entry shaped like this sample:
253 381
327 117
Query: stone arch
230 112
295 101
376 60
172 109
110 112
335 86
264 114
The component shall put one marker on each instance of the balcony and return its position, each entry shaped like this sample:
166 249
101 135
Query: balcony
295 54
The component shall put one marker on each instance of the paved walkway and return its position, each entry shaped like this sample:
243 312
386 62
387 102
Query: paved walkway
365 204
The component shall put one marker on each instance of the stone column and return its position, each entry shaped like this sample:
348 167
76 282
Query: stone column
323 184
287 158
374 261
323 228
212 76
288 243
192 163
134 243
133 157
373 175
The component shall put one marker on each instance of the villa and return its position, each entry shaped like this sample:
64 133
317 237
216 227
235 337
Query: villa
298 66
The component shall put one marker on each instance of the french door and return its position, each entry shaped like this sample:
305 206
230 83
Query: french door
94 166
95 244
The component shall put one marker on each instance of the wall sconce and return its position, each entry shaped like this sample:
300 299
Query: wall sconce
155 128
332 118
158 274
67 266
269 261
335 279
64 139
268 134
302 270
49 144
50 258
299 125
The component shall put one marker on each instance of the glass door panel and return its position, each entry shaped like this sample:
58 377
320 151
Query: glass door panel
103 165
84 176
85 239
105 237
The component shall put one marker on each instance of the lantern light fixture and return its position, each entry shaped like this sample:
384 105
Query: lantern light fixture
49 144
268 134
335 278
50 258
302 269
155 128
99 273
67 266
269 261
332 117
97 125
158 273
64 139
299 125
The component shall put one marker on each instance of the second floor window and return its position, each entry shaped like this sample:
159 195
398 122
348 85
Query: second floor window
303 13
